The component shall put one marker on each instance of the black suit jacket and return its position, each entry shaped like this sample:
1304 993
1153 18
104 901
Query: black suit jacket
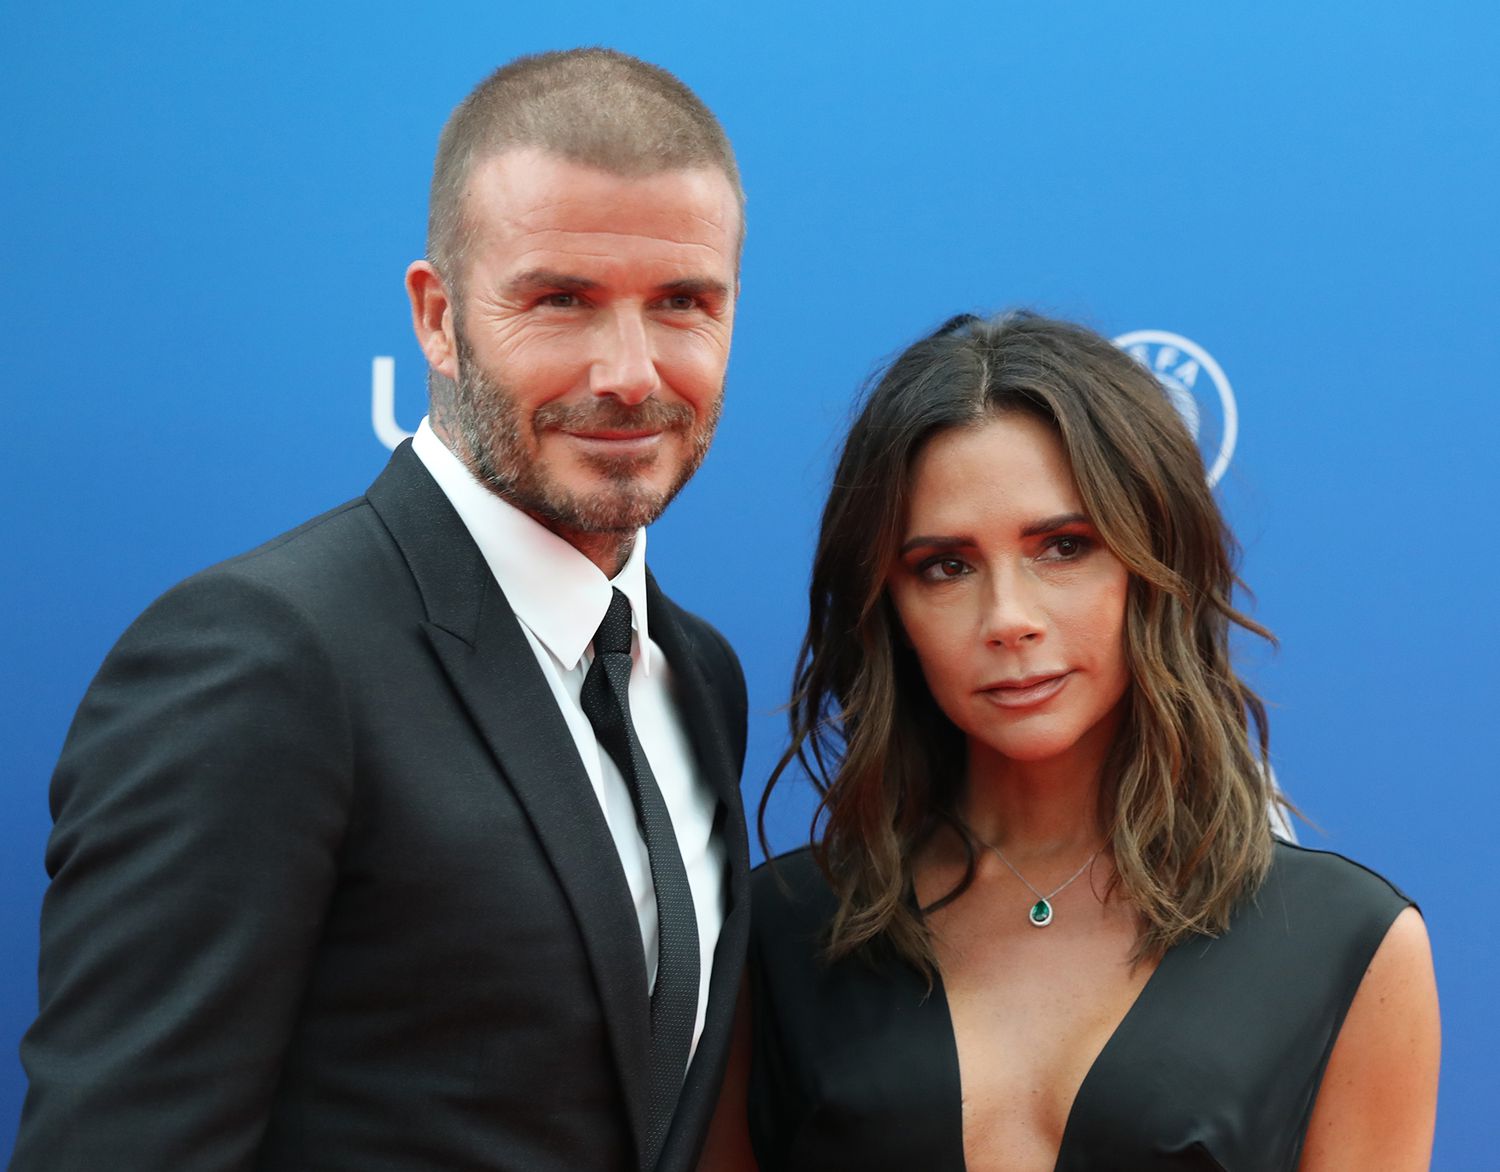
330 887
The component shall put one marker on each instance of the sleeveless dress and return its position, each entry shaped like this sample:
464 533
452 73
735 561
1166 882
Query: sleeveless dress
1215 1066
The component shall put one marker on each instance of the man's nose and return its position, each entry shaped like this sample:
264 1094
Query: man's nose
1013 614
625 363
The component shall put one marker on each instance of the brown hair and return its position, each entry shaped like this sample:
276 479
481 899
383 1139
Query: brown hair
1185 799
598 107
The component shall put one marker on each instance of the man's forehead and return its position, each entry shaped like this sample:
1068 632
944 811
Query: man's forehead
551 213
534 186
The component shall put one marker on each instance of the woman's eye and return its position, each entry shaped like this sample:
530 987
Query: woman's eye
942 569
1068 547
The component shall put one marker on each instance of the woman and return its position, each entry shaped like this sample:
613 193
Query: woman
1045 923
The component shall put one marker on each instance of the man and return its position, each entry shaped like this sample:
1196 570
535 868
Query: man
412 839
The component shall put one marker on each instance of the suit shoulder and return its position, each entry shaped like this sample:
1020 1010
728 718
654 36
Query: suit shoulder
703 634
294 592
344 534
316 568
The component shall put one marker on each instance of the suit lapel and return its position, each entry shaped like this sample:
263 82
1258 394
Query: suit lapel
702 704
492 667
696 697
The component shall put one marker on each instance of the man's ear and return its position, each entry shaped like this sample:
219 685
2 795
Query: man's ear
432 317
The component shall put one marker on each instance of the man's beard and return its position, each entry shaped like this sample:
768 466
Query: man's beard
491 428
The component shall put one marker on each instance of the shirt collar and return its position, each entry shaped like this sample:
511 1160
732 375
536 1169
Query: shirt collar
556 591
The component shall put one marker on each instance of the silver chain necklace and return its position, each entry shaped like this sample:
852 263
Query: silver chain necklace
1040 914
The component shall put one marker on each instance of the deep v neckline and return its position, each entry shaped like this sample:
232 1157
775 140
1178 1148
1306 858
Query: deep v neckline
1214 1065
940 989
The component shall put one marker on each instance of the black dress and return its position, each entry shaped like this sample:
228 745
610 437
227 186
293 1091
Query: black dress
1215 1066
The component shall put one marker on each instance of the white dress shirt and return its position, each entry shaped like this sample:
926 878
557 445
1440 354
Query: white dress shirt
560 596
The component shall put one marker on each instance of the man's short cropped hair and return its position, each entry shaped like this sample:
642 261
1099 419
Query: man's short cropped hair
598 107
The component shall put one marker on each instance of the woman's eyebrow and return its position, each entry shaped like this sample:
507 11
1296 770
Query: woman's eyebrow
1034 529
923 541
1051 524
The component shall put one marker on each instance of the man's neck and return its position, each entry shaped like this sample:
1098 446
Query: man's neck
609 551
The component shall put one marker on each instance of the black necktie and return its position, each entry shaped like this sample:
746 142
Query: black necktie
674 999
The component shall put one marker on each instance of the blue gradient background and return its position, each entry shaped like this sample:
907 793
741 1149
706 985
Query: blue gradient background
205 212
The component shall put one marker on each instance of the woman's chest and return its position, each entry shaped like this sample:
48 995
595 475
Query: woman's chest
1030 1017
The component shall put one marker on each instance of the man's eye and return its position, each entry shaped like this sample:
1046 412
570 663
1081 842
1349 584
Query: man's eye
682 301
560 300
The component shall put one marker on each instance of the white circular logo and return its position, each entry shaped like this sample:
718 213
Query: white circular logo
1178 364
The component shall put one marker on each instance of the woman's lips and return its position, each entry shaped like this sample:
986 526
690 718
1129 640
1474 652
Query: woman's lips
1026 693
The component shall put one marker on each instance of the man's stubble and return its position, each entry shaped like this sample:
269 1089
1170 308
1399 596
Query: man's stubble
492 430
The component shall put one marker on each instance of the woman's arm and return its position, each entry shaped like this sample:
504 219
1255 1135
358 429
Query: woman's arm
727 1148
1378 1102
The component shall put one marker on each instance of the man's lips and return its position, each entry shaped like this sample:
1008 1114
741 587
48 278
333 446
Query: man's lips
1025 691
613 433
623 442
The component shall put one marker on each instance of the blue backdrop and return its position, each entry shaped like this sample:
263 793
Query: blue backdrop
205 212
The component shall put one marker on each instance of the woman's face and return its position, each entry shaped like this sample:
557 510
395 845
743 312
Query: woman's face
1012 603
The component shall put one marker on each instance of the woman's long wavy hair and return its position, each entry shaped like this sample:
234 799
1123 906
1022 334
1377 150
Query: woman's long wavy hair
1185 798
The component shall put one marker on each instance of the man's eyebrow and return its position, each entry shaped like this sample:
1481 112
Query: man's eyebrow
534 279
1052 524
697 286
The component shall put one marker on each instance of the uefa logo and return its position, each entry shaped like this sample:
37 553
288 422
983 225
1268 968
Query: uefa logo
383 402
1197 387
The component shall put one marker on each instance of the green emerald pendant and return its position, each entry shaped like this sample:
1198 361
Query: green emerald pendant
1041 914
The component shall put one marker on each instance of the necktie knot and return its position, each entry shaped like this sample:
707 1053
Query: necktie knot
613 635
